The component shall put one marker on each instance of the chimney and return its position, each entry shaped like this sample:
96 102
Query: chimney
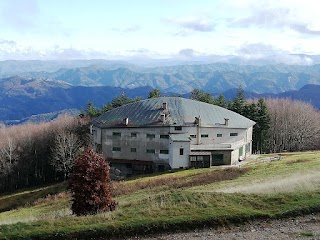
164 105
126 121
163 117
226 121
198 121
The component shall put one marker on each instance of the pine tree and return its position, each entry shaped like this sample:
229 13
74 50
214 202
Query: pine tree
220 101
239 102
154 93
262 125
90 185
201 96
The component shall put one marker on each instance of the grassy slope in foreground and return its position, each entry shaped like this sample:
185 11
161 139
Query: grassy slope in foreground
185 199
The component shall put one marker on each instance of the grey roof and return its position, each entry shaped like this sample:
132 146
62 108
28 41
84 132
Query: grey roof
179 112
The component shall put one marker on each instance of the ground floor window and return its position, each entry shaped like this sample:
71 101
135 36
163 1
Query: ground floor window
198 161
216 159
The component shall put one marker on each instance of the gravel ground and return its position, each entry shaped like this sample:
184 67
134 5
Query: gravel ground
302 227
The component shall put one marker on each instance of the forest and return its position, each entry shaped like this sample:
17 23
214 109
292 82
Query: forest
36 154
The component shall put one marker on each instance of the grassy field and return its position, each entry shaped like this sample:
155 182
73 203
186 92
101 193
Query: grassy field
182 200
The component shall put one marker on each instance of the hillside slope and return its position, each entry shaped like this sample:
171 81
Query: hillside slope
172 201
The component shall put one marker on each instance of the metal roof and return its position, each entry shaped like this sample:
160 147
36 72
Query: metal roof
179 112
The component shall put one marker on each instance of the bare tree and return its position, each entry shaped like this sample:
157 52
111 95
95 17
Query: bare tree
294 125
66 148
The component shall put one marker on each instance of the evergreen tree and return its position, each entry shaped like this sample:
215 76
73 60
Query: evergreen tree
220 101
201 96
154 93
91 110
262 125
239 102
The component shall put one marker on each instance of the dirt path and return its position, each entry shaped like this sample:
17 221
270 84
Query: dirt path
304 227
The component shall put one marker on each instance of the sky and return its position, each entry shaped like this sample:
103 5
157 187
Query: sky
158 29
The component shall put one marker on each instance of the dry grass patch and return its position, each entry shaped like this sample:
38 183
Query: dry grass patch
179 181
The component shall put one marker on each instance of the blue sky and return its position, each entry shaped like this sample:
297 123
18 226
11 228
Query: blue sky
160 29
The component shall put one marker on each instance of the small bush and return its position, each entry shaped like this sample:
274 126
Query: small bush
90 185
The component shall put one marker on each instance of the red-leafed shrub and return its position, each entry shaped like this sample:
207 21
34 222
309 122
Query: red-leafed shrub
90 185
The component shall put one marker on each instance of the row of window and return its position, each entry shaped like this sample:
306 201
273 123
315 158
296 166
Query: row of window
134 135
218 135
166 136
133 150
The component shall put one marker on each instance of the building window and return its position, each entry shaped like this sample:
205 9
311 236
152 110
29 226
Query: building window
204 135
134 135
178 128
164 136
181 151
150 151
193 136
133 150
233 134
219 134
116 134
164 151
151 135
116 149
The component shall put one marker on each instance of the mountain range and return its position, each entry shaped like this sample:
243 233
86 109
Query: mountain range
214 78
38 87
21 98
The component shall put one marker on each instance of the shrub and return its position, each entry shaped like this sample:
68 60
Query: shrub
90 185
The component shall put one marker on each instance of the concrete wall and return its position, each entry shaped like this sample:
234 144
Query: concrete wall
212 135
177 160
140 142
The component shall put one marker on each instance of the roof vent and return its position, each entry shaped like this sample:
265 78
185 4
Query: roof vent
226 121
163 117
164 105
126 121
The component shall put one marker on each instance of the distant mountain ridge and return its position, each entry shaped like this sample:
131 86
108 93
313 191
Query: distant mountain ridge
21 98
217 77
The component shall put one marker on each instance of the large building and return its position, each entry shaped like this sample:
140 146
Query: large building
171 132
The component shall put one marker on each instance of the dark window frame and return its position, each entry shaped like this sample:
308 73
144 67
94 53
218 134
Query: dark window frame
150 151
164 151
181 151
116 149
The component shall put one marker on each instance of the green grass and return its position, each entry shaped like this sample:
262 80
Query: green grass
181 200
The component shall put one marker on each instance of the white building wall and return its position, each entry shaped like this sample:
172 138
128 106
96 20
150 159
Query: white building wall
139 141
177 160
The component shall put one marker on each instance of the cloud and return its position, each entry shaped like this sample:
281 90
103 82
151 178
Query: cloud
187 52
257 50
260 51
193 24
133 28
20 14
276 18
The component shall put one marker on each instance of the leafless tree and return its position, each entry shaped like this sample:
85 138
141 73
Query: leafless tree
66 149
294 125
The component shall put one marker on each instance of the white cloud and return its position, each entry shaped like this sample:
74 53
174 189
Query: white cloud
197 24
